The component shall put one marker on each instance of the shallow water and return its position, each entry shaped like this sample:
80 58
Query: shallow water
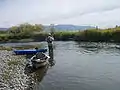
82 66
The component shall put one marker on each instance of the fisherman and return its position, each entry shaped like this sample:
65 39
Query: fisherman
50 40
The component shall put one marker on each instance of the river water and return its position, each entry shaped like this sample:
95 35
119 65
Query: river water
81 66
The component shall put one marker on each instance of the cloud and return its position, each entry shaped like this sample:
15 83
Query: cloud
59 11
101 19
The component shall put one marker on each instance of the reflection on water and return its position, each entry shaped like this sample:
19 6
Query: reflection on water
36 77
80 66
52 63
92 47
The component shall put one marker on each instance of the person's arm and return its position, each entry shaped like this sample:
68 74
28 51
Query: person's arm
52 38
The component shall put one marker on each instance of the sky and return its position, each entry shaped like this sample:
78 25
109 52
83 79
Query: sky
101 13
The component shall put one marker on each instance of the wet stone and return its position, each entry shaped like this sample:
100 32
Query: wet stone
12 76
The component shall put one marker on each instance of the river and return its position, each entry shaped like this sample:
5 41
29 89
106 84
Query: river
81 66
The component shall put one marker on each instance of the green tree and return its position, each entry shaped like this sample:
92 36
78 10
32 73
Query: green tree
25 29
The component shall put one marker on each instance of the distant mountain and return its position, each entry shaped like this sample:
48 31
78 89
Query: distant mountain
63 27
68 27
3 29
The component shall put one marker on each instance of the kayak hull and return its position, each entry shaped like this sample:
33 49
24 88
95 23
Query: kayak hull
36 62
28 52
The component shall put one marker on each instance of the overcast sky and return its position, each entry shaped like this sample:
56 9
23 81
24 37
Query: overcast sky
102 13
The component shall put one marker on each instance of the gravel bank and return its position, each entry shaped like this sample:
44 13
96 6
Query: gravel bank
12 75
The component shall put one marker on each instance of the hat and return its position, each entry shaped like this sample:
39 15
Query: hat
49 34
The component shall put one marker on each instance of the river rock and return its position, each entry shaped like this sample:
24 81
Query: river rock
12 75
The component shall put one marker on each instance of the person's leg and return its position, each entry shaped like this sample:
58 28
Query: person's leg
51 52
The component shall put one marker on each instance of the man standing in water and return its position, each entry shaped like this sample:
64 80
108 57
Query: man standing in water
50 40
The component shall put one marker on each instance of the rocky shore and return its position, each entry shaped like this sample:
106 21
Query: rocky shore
12 75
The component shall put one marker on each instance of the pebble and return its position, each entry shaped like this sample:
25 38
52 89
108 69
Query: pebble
12 76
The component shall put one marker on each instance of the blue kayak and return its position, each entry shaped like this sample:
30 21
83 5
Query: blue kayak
26 52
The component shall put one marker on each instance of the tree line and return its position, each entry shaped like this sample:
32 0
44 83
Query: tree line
36 33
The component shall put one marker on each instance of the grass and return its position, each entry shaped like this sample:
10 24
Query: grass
95 35
9 48
28 46
14 62
64 36
106 35
5 48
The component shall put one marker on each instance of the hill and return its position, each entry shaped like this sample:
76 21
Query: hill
68 27
62 27
3 29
